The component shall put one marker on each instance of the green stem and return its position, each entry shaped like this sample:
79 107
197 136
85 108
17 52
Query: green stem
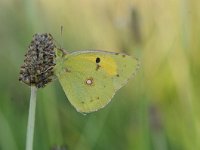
31 119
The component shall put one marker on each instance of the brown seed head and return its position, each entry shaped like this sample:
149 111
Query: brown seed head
37 69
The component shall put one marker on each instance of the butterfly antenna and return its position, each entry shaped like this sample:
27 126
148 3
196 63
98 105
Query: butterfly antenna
58 43
61 32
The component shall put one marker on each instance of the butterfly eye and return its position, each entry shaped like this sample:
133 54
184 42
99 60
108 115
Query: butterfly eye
98 60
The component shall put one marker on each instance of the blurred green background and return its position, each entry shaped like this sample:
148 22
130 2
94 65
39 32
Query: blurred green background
158 110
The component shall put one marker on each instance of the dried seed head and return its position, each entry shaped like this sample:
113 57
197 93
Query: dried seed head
37 69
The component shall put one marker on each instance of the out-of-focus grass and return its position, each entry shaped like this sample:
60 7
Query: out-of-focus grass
158 110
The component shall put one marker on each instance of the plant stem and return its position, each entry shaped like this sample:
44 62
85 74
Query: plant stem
31 119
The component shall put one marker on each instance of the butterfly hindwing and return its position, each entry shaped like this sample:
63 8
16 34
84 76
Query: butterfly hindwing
91 78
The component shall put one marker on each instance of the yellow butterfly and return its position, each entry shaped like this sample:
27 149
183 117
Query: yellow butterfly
90 78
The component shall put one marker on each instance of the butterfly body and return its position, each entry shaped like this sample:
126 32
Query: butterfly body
90 78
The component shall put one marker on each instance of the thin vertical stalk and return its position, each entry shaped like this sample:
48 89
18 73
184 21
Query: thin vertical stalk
31 119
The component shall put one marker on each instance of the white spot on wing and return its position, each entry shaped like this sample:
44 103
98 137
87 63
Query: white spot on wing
89 81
